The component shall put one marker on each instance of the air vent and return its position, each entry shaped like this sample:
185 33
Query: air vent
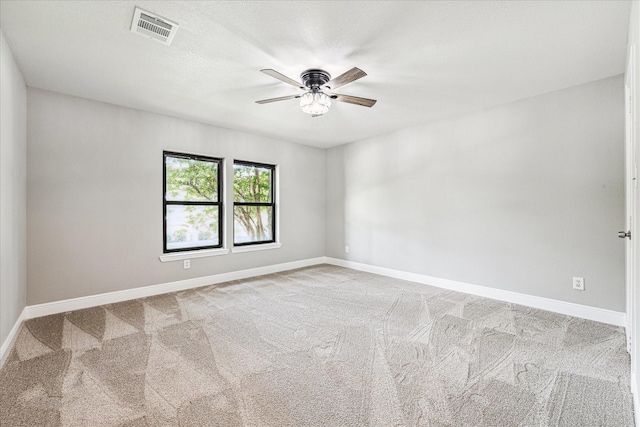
152 26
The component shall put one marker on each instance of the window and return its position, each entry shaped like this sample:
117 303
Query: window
192 202
253 203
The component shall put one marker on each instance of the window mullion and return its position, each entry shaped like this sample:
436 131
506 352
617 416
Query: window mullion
191 203
253 204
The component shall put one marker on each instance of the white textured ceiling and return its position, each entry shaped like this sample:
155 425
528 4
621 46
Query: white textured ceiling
424 60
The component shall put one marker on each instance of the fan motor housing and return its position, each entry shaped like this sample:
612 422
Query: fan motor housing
314 78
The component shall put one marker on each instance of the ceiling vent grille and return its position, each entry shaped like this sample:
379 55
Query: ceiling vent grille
152 26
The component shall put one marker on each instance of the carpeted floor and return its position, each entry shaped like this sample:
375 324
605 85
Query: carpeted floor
320 346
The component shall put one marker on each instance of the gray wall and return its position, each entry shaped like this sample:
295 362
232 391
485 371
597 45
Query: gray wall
95 196
633 298
13 191
520 197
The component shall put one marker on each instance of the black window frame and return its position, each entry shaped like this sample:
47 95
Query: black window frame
272 204
219 203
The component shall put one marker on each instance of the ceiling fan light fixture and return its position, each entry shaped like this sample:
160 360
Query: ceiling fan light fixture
318 86
316 103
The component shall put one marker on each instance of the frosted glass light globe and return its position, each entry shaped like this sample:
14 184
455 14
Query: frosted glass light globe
315 103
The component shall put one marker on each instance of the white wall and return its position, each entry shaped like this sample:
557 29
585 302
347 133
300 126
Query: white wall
13 191
94 205
520 197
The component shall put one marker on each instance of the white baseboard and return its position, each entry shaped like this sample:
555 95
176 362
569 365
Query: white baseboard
147 291
585 312
571 309
63 306
11 338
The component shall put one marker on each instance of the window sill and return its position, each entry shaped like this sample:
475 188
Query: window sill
179 256
252 248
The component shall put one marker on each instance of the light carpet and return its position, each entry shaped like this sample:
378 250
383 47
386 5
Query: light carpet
319 346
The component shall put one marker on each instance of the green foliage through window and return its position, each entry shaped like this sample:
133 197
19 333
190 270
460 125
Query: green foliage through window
191 180
254 205
192 206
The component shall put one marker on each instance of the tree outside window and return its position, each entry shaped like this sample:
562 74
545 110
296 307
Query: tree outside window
192 202
254 203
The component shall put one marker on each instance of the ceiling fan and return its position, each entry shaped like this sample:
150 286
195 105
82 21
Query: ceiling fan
318 85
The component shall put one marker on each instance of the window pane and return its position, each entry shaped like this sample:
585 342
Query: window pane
251 184
252 224
192 226
191 180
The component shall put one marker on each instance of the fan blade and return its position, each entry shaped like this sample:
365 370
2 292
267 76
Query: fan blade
282 98
282 77
352 75
365 102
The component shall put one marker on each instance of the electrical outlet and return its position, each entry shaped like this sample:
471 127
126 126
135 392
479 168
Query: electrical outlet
187 263
346 249
578 283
